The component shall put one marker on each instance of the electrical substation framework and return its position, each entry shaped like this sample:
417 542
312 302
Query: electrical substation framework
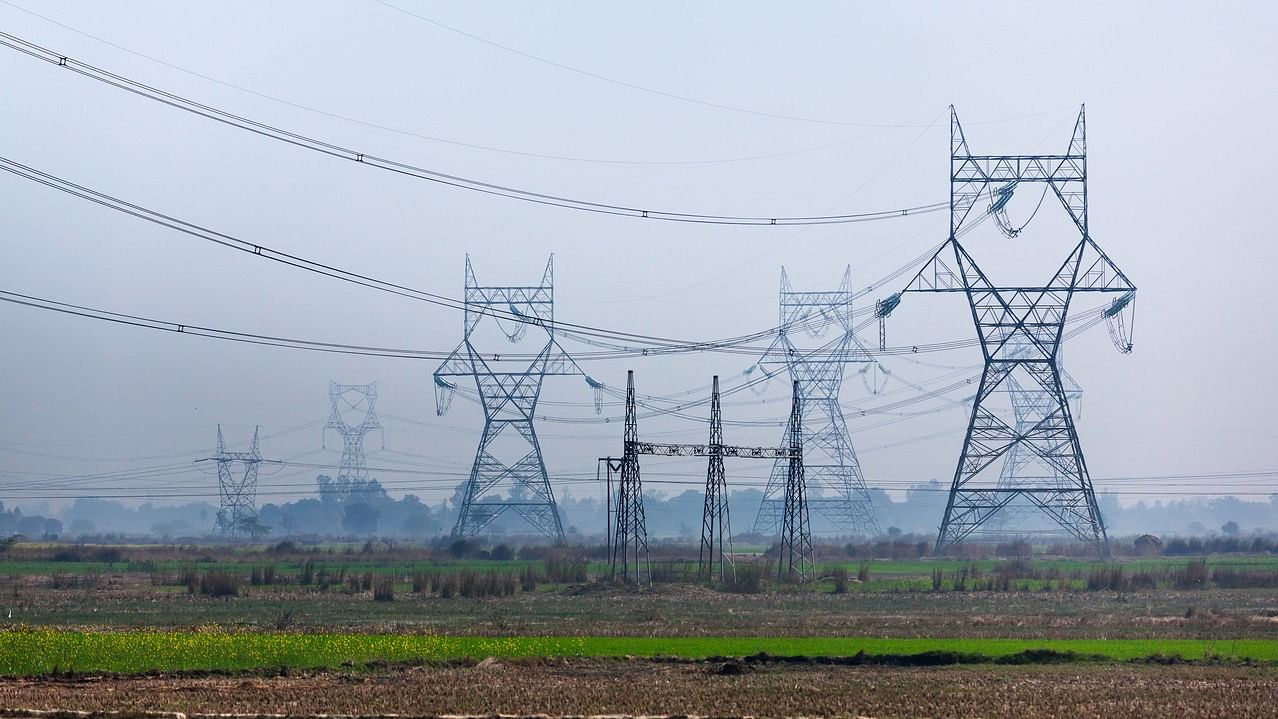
630 544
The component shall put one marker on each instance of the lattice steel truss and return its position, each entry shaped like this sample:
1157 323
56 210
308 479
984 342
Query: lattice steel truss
1022 468
631 541
716 522
1020 329
833 471
631 530
352 471
796 536
236 492
506 478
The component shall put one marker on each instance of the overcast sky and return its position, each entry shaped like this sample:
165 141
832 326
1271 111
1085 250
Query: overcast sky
1181 107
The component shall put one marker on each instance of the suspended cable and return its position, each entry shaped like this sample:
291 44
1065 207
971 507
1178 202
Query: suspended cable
436 176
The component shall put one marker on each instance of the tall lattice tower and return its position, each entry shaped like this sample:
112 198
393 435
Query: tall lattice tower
236 492
834 477
630 545
509 473
716 523
1021 328
795 558
1022 468
353 416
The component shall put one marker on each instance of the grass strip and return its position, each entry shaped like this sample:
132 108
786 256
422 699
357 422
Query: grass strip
39 651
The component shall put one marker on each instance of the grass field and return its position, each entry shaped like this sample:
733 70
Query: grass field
29 652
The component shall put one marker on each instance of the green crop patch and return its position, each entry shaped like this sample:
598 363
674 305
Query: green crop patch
33 652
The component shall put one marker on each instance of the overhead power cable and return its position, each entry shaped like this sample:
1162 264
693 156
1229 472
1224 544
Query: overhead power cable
431 175
664 93
647 344
352 349
450 141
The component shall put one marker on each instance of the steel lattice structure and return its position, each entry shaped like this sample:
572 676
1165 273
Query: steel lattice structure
1022 467
631 526
716 524
237 494
838 486
631 529
509 472
352 471
1020 329
796 536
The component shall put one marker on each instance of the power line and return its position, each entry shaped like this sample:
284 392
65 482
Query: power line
663 93
423 173
448 141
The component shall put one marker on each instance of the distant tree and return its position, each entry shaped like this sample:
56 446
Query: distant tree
359 518
1230 528
82 526
253 528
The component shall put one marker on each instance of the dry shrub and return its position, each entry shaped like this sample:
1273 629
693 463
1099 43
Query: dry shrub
840 575
863 572
220 583
1194 575
384 589
748 577
1106 577
563 569
528 579
1233 577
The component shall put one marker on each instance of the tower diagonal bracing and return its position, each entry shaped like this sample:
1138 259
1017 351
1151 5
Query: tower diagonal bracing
836 483
353 416
236 491
1020 329
509 472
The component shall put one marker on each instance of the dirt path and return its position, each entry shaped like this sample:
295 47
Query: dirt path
619 686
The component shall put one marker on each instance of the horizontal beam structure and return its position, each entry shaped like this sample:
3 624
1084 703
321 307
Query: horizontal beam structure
705 450
1019 168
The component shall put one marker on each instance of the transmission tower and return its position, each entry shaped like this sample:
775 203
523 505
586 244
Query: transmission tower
1021 329
838 487
236 492
716 527
1022 467
509 473
345 399
796 536
631 527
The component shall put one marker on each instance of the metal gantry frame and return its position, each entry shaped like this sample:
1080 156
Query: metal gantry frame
506 478
1021 329
631 534
352 470
839 492
236 492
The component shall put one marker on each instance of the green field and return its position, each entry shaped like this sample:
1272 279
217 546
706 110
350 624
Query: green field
29 652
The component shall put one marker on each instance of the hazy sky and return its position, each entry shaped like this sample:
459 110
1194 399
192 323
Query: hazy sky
1181 104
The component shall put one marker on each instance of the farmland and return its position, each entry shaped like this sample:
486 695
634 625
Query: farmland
877 635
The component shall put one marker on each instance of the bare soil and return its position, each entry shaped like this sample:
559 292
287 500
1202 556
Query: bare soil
634 687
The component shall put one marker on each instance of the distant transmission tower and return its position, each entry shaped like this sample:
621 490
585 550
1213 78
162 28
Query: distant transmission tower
796 536
352 399
716 527
1021 329
509 473
236 492
834 473
631 541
